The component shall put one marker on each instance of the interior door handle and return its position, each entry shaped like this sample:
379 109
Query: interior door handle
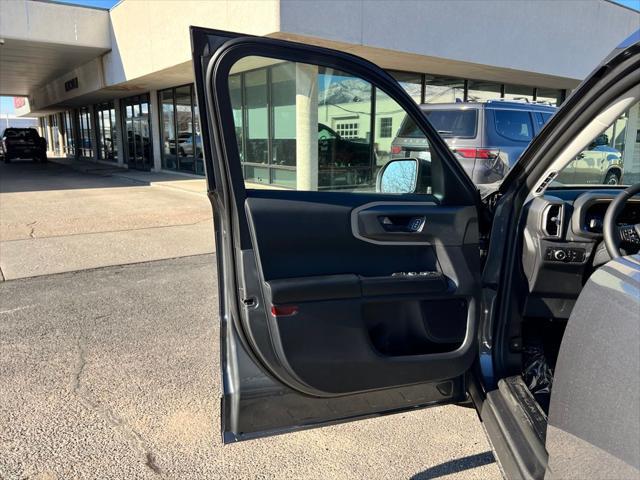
402 223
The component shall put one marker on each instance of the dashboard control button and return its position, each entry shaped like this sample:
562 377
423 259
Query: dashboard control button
565 255
560 255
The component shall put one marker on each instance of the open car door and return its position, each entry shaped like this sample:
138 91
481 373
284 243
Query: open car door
349 274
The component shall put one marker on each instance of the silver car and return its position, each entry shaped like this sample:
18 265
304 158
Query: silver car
488 138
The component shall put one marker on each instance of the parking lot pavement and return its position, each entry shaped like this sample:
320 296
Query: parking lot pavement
56 219
114 373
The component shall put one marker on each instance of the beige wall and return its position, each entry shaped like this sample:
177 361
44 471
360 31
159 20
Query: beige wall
149 35
563 38
90 79
545 44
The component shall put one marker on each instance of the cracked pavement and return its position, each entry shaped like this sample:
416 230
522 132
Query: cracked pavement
55 219
114 373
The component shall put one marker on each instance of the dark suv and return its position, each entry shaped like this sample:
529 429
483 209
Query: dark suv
488 138
23 143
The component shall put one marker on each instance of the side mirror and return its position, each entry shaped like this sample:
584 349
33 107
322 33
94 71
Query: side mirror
398 176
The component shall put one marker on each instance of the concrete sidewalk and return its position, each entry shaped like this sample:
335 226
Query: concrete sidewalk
189 183
58 218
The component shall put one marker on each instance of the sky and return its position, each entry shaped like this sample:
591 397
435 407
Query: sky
95 3
635 4
6 103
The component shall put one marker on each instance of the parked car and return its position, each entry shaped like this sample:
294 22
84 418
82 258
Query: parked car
23 143
343 162
186 145
522 300
599 164
488 138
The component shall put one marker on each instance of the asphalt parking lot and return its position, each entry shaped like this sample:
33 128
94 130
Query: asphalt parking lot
114 373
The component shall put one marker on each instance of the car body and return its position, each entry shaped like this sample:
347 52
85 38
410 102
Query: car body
339 158
23 143
340 305
488 137
186 144
599 164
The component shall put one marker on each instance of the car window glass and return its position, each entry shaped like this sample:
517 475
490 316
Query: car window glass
610 158
541 119
454 123
307 127
20 132
514 124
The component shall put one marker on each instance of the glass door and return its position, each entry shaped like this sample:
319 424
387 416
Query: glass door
138 153
106 134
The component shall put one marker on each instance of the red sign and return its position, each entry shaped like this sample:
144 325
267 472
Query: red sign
19 102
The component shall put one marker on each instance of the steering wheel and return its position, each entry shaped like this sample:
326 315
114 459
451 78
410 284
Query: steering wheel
614 234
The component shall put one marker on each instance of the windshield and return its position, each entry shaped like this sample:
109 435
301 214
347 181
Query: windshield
29 133
457 123
610 158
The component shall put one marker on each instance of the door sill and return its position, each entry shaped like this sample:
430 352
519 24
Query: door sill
516 426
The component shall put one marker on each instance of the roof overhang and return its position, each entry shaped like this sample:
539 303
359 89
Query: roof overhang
40 41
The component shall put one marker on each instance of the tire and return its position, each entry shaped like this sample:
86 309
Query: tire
612 178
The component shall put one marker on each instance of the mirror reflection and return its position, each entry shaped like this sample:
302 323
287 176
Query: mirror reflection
399 176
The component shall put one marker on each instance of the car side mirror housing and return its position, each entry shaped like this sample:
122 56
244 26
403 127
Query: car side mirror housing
398 176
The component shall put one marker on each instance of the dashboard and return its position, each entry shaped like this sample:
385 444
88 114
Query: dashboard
563 244
594 215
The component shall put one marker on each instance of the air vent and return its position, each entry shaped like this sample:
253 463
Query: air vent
546 182
552 220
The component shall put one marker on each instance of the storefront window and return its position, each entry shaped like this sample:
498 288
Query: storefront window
187 145
308 127
550 95
181 135
518 92
481 91
255 94
106 133
443 89
85 122
137 134
169 155
197 132
235 91
283 99
68 133
411 82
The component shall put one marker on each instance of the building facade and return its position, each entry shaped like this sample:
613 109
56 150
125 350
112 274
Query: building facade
122 91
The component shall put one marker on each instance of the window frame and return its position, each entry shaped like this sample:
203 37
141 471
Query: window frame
452 184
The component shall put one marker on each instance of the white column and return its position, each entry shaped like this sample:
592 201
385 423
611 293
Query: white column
631 159
306 127
154 112
94 132
61 139
49 135
119 132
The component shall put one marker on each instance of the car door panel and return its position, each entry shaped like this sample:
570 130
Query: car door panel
352 317
336 305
